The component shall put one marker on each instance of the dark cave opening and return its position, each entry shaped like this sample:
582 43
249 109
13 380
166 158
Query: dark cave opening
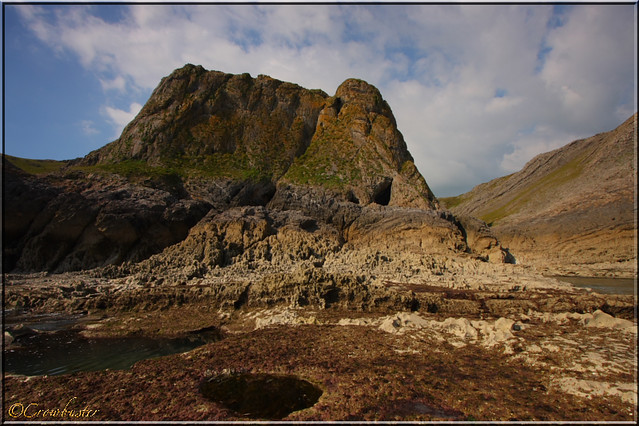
383 195
352 197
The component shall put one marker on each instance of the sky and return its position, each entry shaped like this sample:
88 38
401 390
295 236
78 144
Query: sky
477 90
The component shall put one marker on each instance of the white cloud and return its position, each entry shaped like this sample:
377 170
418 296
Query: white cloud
118 83
464 82
88 127
528 146
591 66
120 118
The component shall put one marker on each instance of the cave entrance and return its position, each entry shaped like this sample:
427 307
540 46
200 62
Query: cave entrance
382 195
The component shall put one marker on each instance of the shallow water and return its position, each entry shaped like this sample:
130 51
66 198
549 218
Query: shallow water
603 285
55 349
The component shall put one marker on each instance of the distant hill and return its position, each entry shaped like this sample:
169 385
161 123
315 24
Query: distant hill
575 204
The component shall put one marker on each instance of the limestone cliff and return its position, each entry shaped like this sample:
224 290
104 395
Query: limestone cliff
223 125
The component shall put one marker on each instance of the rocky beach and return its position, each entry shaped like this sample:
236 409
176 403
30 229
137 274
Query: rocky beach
295 227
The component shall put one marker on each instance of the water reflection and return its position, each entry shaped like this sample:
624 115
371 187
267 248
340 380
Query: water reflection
603 285
36 351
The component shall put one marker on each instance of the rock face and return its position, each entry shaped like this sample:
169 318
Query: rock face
74 221
573 205
322 173
359 154
224 124
215 127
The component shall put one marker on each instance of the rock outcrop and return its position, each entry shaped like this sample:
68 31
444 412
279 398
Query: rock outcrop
574 205
320 173
219 123
358 152
210 126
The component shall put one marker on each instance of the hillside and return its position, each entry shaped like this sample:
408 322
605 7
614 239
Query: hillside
573 205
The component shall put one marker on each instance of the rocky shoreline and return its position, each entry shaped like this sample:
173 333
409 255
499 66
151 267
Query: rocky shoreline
427 348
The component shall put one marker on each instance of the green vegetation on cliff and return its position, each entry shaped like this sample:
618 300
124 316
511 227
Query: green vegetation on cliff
329 161
217 165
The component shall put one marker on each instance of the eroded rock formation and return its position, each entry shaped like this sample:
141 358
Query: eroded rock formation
327 173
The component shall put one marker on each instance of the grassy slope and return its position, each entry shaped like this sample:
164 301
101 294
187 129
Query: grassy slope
538 188
216 165
584 172
543 186
35 167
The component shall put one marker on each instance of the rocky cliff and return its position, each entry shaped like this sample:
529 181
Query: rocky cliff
221 125
208 126
207 143
574 205
358 152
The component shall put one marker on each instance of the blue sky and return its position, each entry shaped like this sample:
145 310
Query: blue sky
477 90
